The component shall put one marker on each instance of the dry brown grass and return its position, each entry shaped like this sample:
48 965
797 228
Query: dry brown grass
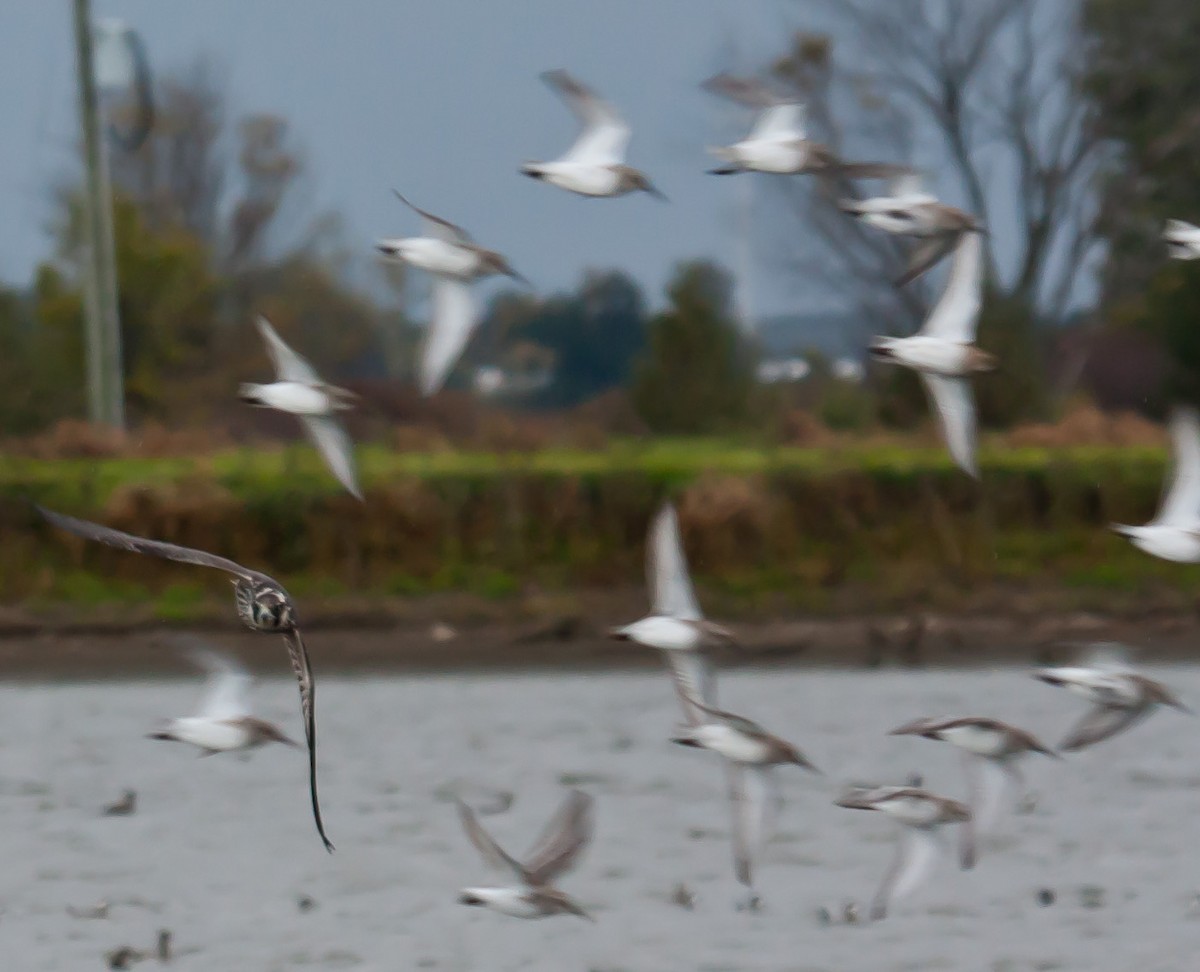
1085 424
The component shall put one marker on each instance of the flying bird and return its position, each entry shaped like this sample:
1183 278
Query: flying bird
299 390
455 260
943 352
920 813
750 754
778 143
991 751
908 209
595 164
1174 534
1183 240
555 852
224 723
675 624
1120 697
262 605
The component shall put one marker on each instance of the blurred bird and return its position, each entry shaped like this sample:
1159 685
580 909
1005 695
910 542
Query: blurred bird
777 143
1174 534
991 750
909 209
554 853
1119 695
262 605
224 723
675 624
125 807
595 164
920 813
944 355
454 259
299 390
1183 240
750 753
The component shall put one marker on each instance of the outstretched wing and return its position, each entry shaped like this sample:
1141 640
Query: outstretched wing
928 253
1181 507
560 844
916 852
695 684
1099 723
951 399
754 798
435 226
493 854
449 330
957 312
228 685
156 548
987 782
605 134
298 654
745 91
666 567
779 122
335 447
289 366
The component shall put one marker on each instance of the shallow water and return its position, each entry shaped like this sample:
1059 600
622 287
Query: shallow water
221 849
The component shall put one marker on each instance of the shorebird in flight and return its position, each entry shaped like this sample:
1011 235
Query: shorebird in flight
299 390
920 813
991 751
1174 534
778 142
675 624
224 723
908 209
449 253
943 352
554 853
262 605
1120 697
750 754
595 164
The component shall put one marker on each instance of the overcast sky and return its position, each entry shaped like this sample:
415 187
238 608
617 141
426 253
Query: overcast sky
440 99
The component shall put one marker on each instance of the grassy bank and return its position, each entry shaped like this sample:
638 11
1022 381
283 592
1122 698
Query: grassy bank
854 528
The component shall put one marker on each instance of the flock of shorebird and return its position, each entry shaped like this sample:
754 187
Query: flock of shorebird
943 353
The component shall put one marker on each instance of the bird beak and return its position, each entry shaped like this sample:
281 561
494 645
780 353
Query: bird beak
686 741
655 192
1122 529
519 278
619 634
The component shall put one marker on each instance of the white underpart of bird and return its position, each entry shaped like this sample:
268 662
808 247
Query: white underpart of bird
777 142
594 165
902 211
943 352
1183 240
299 390
1174 534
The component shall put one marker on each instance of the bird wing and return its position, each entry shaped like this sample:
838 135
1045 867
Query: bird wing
335 447
298 653
437 227
754 798
957 312
667 572
986 783
695 682
558 847
911 183
1100 722
289 366
228 685
779 122
951 399
1181 507
916 851
157 548
605 134
928 253
449 330
493 854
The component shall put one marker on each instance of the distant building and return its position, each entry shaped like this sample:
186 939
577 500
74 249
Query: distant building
848 369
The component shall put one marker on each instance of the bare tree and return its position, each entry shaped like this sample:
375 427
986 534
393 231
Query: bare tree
983 93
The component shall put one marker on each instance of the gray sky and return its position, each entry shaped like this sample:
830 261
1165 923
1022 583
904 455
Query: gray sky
440 99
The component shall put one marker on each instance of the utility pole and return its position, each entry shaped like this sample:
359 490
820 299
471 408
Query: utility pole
106 384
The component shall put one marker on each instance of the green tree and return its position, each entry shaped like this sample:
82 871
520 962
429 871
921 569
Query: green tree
697 375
